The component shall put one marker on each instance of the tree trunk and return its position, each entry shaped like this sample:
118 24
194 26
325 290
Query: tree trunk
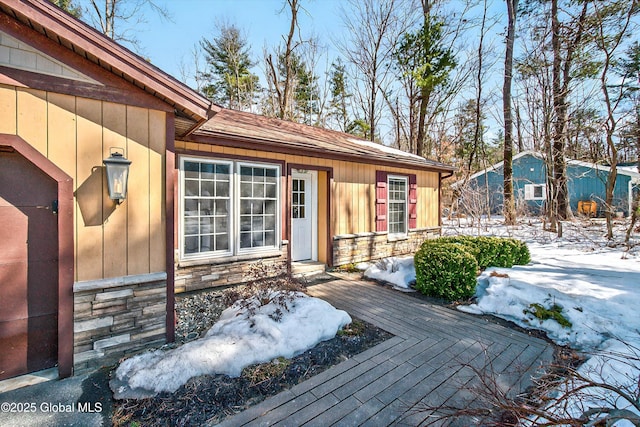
560 194
509 203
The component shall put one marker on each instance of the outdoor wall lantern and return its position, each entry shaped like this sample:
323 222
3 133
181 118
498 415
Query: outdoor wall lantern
117 167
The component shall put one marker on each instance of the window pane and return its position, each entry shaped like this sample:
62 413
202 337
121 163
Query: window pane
221 225
245 207
537 191
191 169
257 239
257 223
190 207
207 171
206 189
258 191
270 238
206 207
222 189
270 222
271 191
245 240
191 244
245 223
257 207
245 190
270 207
222 172
191 188
205 243
191 226
222 242
222 207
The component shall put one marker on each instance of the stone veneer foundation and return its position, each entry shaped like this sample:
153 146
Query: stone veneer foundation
353 248
203 274
117 317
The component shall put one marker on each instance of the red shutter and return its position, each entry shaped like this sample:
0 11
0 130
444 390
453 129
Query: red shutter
413 202
381 201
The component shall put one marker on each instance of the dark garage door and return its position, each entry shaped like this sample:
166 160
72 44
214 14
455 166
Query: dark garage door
28 268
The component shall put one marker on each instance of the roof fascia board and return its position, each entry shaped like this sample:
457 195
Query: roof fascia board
118 57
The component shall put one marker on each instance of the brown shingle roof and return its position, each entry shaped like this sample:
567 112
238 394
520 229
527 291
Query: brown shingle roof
247 130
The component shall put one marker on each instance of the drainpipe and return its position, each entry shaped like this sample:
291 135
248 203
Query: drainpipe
440 178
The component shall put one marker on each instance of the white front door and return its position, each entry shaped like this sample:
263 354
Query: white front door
303 216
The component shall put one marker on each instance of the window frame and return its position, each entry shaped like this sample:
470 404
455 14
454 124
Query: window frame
405 180
529 192
181 211
235 249
237 200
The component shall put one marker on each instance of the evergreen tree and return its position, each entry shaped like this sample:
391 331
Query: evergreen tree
340 96
68 6
231 82
423 56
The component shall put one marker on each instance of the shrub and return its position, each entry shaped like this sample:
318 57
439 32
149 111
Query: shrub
445 270
447 267
490 251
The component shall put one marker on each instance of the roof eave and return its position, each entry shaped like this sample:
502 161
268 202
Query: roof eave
275 146
60 26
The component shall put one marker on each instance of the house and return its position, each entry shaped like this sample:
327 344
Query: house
586 182
87 278
327 197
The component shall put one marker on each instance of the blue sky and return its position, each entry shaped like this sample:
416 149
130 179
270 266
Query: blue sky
167 43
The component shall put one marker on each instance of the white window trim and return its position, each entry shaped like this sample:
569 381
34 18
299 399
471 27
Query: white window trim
236 202
529 191
406 206
181 219
234 209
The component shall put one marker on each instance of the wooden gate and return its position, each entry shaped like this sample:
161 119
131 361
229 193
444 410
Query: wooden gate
28 267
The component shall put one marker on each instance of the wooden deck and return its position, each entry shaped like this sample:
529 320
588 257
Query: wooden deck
427 363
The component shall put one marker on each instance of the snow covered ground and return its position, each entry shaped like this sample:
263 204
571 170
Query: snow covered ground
596 283
240 338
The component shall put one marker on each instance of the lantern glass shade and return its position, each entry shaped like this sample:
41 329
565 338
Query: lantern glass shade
117 167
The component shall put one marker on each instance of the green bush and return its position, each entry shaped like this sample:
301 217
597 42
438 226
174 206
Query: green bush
445 270
490 251
447 267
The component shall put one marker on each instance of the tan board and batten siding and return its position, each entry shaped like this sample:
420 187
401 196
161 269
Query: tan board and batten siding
353 187
76 134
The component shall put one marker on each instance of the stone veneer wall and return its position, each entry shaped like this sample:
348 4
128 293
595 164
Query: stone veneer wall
117 317
196 275
352 248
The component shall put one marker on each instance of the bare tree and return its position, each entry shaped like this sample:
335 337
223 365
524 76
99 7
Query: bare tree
373 28
281 80
509 203
120 19
613 24
565 41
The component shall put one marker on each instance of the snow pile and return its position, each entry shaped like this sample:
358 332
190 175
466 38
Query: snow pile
240 338
398 271
598 293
